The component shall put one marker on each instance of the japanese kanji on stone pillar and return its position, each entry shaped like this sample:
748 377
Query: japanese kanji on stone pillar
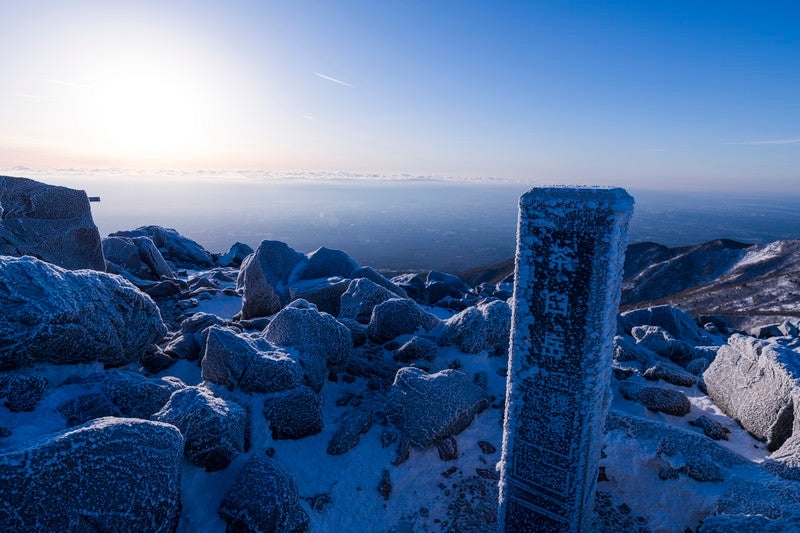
570 254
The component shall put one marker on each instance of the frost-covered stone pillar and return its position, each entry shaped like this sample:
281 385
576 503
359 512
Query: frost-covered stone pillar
570 252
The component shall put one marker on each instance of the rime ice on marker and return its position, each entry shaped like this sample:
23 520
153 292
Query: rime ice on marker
570 253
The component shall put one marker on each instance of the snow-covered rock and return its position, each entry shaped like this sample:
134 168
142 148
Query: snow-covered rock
374 276
428 408
117 393
657 399
263 498
320 339
135 258
660 341
678 323
325 293
416 348
349 429
190 343
181 251
108 475
238 252
294 414
756 382
21 392
252 365
361 296
61 316
213 428
414 286
396 317
485 326
49 222
263 276
325 263
441 285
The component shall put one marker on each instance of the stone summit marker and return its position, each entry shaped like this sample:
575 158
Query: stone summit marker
570 253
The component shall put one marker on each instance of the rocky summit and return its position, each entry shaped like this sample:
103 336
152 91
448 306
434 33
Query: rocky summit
147 384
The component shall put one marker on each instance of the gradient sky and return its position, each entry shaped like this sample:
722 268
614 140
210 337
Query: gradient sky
642 94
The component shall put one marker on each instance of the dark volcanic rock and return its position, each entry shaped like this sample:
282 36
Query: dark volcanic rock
263 499
108 475
396 317
48 222
63 317
427 408
213 429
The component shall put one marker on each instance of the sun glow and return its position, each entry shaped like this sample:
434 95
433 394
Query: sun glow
141 106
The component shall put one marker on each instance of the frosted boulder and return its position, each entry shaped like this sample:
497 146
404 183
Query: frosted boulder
190 343
320 339
263 276
49 222
413 285
213 429
263 499
109 475
657 399
396 317
414 349
252 365
756 382
136 259
325 263
294 414
376 277
63 317
659 340
325 293
238 252
441 285
485 326
181 251
361 296
428 408
118 393
677 322
21 392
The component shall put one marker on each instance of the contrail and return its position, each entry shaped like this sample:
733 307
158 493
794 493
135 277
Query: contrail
334 80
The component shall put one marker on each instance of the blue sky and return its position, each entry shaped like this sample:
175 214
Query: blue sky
668 95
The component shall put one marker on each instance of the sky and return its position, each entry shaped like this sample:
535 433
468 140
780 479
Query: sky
675 95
